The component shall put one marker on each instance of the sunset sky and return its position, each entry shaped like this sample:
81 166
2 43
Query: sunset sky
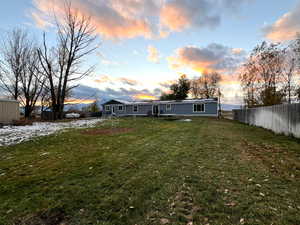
146 44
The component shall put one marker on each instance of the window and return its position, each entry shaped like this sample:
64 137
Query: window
121 108
107 108
199 108
169 107
135 108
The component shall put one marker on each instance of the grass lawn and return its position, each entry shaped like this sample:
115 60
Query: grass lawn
153 171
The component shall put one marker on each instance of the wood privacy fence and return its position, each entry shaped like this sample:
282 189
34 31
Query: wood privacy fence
282 119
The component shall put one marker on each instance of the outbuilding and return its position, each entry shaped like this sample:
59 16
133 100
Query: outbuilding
9 111
189 107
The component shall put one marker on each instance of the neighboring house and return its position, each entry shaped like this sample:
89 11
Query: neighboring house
190 107
9 111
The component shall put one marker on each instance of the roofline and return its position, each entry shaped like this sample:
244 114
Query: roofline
185 101
9 100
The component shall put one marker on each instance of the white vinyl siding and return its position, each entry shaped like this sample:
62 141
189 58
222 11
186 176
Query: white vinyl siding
199 108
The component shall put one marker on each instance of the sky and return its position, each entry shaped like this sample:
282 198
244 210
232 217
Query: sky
144 45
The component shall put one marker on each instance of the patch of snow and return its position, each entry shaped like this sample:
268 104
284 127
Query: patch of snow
10 135
186 120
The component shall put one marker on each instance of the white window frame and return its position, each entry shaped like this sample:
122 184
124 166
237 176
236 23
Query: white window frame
137 108
169 107
107 108
122 108
196 107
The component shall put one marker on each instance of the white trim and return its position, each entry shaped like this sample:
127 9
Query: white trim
107 108
183 115
192 115
122 108
204 108
174 102
137 108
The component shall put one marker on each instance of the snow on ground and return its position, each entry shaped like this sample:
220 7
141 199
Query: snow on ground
10 135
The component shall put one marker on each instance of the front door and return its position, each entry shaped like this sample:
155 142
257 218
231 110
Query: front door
113 110
155 110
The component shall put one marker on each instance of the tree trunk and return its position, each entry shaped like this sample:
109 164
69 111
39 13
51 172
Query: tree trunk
27 112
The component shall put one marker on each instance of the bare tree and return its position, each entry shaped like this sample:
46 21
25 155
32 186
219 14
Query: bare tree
32 82
296 48
261 76
298 94
206 86
20 73
12 55
288 72
62 64
196 88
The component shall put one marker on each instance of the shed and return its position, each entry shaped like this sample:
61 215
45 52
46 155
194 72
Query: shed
9 111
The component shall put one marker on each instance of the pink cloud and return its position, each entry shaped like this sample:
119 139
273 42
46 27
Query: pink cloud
120 19
113 19
214 57
110 79
153 54
180 14
285 28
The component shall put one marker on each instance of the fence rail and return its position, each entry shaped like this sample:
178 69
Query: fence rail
282 119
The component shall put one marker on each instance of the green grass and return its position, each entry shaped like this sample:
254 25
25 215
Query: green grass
162 172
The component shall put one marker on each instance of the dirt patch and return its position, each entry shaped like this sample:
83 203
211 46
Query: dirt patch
22 123
51 217
109 131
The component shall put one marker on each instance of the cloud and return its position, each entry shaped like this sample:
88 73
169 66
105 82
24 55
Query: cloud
71 101
214 57
40 21
114 19
103 79
128 81
177 15
144 97
285 28
112 80
167 84
180 14
120 19
82 92
153 55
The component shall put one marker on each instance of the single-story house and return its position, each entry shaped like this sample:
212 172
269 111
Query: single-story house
189 107
9 111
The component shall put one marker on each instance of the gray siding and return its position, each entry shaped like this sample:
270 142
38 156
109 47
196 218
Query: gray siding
187 109
142 109
117 112
211 108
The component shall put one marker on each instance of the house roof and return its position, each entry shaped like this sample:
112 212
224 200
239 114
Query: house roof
117 101
8 100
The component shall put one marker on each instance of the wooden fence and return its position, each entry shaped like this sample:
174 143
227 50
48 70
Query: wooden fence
282 119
